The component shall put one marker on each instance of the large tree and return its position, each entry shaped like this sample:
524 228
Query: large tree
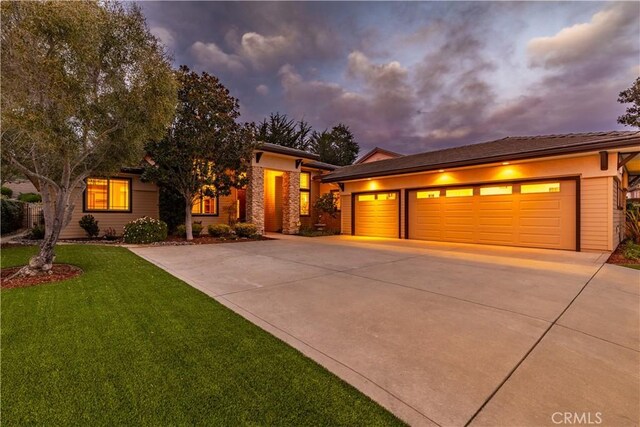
631 95
337 147
206 152
280 130
84 85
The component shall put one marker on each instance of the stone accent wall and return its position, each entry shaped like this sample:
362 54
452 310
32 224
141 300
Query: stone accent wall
255 197
291 203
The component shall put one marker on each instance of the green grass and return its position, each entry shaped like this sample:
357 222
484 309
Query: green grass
127 343
634 266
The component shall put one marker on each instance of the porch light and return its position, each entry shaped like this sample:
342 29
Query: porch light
440 170
505 163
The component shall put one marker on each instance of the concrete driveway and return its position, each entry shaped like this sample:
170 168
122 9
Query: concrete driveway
441 334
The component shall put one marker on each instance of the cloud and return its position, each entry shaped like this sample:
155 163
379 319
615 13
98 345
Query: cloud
262 89
264 51
210 55
165 36
606 32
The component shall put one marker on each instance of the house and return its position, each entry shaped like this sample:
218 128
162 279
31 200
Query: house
284 183
555 191
376 154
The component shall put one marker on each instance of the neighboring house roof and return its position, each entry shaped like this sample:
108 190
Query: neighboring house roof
279 149
320 165
506 149
377 150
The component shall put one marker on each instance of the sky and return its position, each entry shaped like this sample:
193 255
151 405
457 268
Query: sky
414 76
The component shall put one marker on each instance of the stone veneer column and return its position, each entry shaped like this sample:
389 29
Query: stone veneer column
255 197
291 203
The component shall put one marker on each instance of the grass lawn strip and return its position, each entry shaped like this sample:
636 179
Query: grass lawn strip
127 343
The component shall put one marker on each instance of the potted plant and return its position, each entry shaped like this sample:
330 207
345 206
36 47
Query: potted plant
324 205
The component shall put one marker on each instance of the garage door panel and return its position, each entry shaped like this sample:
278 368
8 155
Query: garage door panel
531 219
378 217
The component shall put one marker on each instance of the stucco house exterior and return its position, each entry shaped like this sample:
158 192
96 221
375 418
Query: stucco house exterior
557 192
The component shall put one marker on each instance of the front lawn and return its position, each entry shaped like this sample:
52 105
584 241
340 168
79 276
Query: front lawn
127 343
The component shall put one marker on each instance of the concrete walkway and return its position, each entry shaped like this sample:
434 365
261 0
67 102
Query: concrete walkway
440 334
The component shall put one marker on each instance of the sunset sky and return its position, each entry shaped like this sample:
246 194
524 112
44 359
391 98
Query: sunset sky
413 76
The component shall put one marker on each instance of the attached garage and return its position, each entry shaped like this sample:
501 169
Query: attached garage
376 214
531 214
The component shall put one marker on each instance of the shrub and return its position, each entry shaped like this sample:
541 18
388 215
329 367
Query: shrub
631 251
633 224
171 208
196 228
6 191
37 232
245 229
145 230
181 230
12 216
326 204
110 234
89 224
219 230
30 198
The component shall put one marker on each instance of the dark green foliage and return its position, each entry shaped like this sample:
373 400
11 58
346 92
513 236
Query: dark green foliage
197 227
312 232
30 197
181 231
126 343
326 204
110 234
631 251
219 230
632 96
172 207
337 147
245 229
280 130
6 191
12 215
37 232
89 224
145 230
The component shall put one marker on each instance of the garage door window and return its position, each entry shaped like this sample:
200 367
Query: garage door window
550 187
386 196
460 192
428 194
496 191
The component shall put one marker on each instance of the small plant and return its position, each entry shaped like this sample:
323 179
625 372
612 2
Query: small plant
196 228
145 230
326 204
219 230
110 234
631 251
232 212
245 229
12 216
89 224
181 231
30 198
6 191
37 232
633 223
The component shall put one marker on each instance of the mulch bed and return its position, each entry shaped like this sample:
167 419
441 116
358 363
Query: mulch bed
618 257
59 272
208 240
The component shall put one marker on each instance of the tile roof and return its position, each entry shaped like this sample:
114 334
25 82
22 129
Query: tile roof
505 149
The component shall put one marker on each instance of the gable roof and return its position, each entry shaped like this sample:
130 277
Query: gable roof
376 150
287 151
505 149
320 165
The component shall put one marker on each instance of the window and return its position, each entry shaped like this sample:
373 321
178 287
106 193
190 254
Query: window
550 187
460 192
433 194
336 198
204 205
378 196
386 196
495 191
108 194
366 197
305 193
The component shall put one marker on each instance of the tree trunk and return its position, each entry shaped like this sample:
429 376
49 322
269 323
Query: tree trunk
188 224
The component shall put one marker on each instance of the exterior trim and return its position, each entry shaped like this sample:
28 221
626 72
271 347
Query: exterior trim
279 149
211 215
374 151
353 208
585 148
108 211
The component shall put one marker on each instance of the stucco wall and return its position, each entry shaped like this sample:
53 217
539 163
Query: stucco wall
144 202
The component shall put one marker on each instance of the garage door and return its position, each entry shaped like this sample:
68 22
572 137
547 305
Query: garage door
377 214
531 214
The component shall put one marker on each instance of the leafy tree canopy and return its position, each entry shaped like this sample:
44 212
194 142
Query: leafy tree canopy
337 147
84 85
280 130
205 151
631 95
